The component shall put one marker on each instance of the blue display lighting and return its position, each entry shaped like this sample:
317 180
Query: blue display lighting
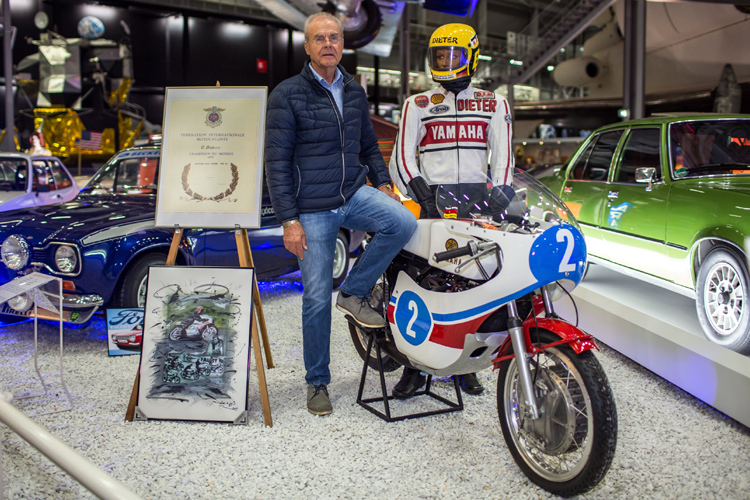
455 7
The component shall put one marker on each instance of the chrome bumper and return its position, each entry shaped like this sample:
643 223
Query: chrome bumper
76 308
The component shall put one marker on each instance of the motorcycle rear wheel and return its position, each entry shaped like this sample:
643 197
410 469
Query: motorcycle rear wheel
569 449
177 333
360 339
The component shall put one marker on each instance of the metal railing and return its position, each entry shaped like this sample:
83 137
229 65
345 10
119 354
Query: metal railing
79 467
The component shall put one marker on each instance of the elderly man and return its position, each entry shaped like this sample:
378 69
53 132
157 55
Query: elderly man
320 150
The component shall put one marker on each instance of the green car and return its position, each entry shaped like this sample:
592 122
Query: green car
666 200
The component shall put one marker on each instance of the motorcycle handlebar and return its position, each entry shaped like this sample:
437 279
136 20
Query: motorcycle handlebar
452 254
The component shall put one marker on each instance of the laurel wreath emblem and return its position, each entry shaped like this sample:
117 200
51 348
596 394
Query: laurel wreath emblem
220 196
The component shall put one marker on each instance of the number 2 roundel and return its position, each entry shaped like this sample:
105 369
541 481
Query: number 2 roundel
560 252
412 318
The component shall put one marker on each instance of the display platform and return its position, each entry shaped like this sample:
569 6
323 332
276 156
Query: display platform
659 330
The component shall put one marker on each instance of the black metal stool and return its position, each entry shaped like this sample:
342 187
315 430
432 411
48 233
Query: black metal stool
385 398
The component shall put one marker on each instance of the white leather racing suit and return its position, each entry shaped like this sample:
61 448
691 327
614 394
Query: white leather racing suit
455 135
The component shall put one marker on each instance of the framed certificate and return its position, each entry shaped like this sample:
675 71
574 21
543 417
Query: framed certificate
211 170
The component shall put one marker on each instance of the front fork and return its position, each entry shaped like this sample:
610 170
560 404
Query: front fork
515 328
517 338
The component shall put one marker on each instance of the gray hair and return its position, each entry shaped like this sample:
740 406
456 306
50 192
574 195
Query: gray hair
325 15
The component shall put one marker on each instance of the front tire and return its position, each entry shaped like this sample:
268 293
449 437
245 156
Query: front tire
209 333
721 300
132 290
568 450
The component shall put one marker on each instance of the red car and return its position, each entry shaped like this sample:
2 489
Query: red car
129 339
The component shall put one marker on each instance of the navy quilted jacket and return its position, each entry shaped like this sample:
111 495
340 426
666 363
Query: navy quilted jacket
312 162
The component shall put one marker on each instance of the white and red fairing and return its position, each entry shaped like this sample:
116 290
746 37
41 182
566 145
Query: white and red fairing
436 330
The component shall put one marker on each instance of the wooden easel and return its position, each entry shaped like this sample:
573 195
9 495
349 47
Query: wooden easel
246 260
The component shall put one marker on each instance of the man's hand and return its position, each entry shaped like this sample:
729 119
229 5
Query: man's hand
387 190
294 240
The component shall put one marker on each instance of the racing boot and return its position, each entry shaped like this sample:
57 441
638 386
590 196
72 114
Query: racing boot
470 383
411 381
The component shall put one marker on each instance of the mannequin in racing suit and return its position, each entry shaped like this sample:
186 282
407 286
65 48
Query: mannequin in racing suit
449 135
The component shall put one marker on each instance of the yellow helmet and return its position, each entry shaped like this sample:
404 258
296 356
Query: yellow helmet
453 52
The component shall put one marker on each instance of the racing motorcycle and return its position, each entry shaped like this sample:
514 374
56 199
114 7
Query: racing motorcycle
196 324
476 289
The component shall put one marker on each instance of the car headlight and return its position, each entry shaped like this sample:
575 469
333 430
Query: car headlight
20 303
66 258
15 252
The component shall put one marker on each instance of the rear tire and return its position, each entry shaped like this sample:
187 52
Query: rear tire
360 340
340 260
132 289
177 333
568 450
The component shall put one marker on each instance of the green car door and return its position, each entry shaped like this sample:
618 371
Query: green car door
586 187
633 225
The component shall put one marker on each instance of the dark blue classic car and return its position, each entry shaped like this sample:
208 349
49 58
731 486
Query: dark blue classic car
102 243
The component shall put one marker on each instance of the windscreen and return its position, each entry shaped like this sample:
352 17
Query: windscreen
526 201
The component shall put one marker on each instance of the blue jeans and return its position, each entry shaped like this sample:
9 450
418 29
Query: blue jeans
368 210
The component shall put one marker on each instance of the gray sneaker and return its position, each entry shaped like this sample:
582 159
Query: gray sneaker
318 402
360 310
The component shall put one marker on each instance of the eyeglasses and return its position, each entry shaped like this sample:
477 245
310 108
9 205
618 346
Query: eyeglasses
333 38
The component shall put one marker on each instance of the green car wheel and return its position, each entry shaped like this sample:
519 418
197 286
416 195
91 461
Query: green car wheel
722 300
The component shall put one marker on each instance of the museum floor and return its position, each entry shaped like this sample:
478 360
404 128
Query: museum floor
670 444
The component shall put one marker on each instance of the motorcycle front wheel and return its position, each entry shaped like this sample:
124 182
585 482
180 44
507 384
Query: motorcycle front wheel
569 448
209 333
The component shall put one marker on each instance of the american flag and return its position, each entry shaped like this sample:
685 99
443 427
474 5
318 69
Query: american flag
90 140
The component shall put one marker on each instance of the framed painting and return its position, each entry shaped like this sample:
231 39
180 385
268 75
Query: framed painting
211 170
196 344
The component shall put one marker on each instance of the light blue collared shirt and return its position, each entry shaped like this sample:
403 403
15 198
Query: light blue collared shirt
337 88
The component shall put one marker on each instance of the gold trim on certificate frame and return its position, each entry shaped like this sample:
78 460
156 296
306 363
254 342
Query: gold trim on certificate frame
211 169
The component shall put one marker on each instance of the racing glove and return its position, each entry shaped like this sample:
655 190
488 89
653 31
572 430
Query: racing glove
425 197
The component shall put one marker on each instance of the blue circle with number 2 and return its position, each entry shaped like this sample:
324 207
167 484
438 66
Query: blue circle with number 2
412 318
558 253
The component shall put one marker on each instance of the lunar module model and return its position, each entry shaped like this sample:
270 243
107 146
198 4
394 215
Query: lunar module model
75 92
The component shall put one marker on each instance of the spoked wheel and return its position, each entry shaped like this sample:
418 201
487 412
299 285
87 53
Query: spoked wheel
568 450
